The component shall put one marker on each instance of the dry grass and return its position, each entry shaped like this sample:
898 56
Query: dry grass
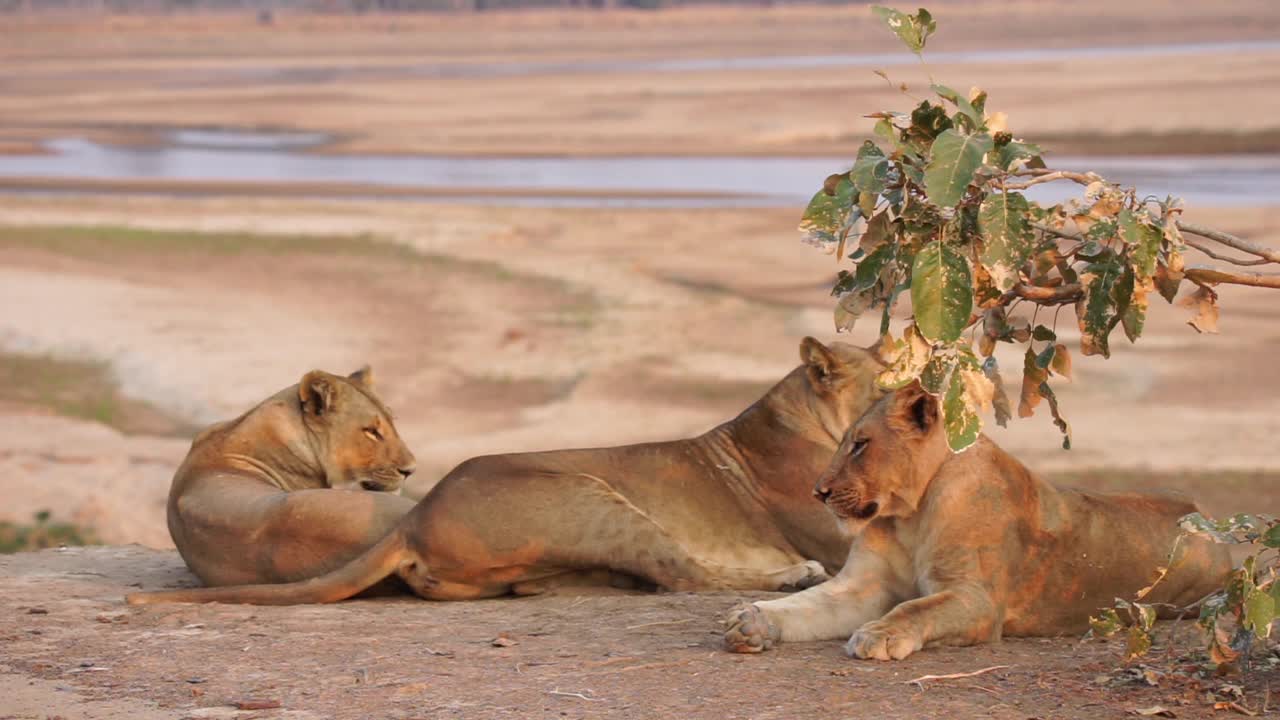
82 389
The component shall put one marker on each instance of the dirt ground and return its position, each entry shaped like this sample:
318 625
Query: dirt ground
71 645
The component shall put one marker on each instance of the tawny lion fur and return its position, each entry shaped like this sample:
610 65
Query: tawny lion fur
280 493
728 509
958 549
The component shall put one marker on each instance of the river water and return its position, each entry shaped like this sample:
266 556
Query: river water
267 157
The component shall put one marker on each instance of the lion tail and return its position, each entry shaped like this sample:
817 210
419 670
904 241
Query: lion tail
359 574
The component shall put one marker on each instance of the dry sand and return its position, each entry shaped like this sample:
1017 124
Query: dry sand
524 328
363 79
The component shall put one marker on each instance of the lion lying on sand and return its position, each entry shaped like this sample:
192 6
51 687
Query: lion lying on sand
958 549
728 509
280 493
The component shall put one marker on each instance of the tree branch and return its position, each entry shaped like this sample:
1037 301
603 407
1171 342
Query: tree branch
1234 261
1061 295
1039 175
1230 240
1213 276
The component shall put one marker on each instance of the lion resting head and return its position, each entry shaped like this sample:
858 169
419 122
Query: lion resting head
885 461
355 442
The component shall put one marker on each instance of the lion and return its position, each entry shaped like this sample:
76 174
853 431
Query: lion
728 509
960 549
298 485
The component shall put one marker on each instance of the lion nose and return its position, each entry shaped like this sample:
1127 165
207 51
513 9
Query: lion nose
821 492
405 472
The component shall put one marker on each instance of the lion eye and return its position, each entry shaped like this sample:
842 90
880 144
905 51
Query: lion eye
373 434
859 446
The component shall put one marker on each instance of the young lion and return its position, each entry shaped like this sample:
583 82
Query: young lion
958 549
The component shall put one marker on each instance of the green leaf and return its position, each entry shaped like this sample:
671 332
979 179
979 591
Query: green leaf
935 375
1007 237
913 30
870 169
1009 153
1097 310
954 158
868 272
907 359
829 212
1145 240
1134 317
1105 623
959 417
963 104
1259 612
941 292
1139 642
1271 538
885 129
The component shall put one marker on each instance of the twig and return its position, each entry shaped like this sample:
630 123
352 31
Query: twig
919 682
578 695
663 622
1234 261
1230 240
985 689
1040 175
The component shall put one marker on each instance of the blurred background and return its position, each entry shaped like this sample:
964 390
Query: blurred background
560 226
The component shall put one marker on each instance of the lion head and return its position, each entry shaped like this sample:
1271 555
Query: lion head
838 383
355 441
886 460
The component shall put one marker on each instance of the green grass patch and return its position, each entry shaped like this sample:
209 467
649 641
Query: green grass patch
107 241
81 389
42 533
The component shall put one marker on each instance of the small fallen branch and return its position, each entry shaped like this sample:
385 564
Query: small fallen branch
560 693
662 622
919 682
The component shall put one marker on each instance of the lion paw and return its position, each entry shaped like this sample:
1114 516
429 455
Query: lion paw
749 630
802 576
882 641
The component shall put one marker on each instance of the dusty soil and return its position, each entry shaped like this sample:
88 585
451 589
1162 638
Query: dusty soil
520 330
363 79
72 647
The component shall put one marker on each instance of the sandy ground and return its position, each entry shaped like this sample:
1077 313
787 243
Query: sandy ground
575 656
372 84
521 329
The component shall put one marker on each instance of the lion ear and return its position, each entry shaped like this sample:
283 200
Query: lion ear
820 363
318 392
915 410
362 377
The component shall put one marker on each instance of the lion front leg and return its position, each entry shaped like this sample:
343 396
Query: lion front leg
861 592
964 614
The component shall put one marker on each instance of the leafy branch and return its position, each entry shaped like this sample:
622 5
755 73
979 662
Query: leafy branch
940 207
936 208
